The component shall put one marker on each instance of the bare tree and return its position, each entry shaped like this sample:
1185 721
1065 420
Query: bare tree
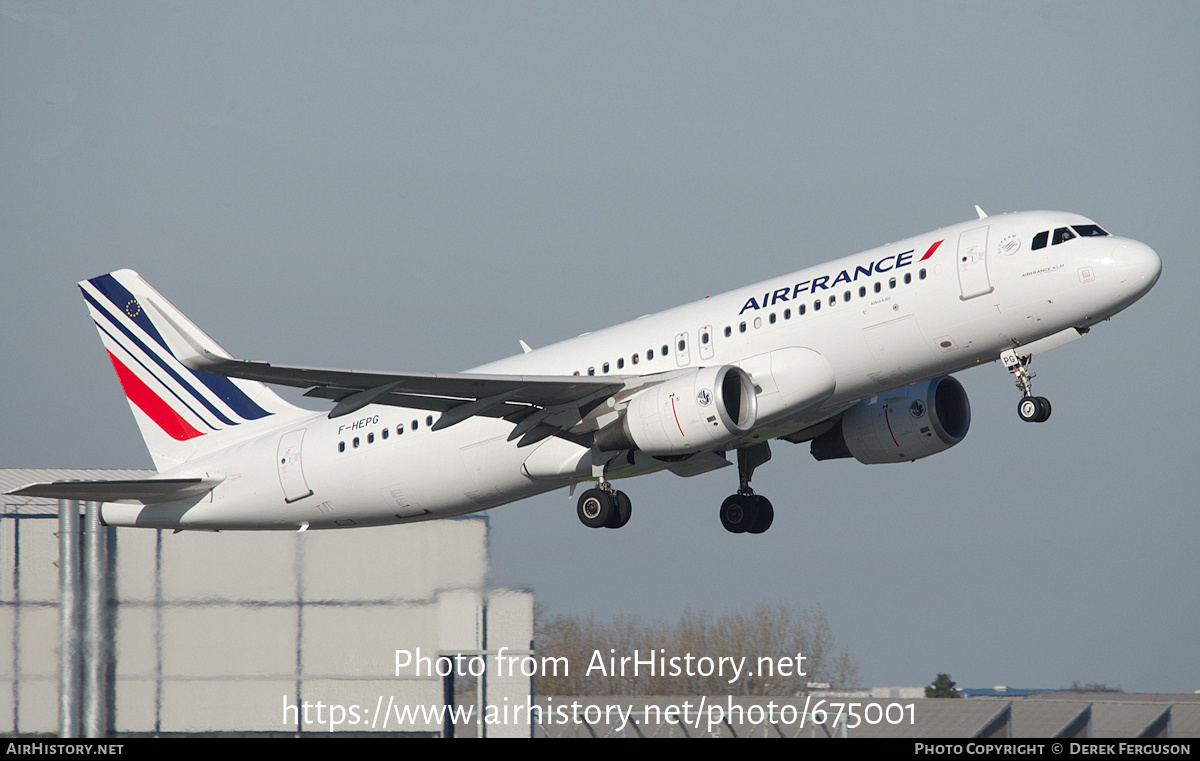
763 652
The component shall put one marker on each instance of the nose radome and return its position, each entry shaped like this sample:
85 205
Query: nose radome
1137 266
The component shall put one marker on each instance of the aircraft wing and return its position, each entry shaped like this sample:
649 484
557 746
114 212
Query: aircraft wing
539 405
147 491
542 390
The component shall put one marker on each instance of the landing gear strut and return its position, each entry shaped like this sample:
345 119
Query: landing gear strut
747 512
1031 409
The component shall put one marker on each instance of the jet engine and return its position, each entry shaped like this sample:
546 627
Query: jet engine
904 425
698 411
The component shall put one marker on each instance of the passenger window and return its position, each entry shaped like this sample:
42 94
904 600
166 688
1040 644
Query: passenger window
846 296
862 291
742 328
370 438
921 274
620 362
1061 235
591 371
787 314
728 331
414 425
878 288
429 421
400 429
1039 240
666 350
341 446
907 278
816 306
635 359
771 319
800 309
355 442
649 354
385 432
605 368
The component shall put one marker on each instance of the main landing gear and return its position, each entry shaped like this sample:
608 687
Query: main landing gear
604 507
747 512
1031 409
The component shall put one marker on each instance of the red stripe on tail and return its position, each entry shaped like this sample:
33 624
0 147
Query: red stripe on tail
150 403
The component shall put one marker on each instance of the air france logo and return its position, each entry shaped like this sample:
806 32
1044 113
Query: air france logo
917 408
825 282
704 397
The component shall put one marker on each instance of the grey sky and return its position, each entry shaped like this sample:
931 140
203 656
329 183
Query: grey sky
412 186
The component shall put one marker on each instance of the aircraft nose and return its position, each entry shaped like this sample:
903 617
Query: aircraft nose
1137 266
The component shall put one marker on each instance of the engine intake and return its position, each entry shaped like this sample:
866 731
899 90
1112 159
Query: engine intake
701 410
908 424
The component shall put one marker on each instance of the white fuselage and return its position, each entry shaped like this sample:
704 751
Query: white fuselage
882 320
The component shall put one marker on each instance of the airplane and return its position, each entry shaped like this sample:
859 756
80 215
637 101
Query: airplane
854 357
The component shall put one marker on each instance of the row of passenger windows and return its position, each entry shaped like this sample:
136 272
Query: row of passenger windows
1064 234
801 309
384 434
635 359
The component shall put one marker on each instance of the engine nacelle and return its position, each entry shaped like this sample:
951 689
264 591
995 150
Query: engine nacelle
695 412
904 425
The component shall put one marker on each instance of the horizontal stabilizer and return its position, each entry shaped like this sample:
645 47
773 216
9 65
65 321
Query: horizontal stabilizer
148 491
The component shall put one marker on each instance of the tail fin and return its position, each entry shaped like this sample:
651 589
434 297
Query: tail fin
181 412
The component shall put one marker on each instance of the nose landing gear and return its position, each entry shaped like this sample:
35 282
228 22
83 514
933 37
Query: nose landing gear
1034 409
1031 409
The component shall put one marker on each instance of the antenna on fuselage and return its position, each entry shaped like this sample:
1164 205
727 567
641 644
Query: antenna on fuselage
982 214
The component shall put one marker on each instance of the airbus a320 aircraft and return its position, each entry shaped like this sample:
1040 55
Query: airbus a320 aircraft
853 356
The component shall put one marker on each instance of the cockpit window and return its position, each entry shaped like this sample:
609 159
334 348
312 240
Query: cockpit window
1089 231
1061 235
1039 240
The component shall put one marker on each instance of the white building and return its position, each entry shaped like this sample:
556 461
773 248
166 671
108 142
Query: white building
242 632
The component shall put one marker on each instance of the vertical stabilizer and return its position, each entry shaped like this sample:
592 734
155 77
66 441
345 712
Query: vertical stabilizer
181 412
